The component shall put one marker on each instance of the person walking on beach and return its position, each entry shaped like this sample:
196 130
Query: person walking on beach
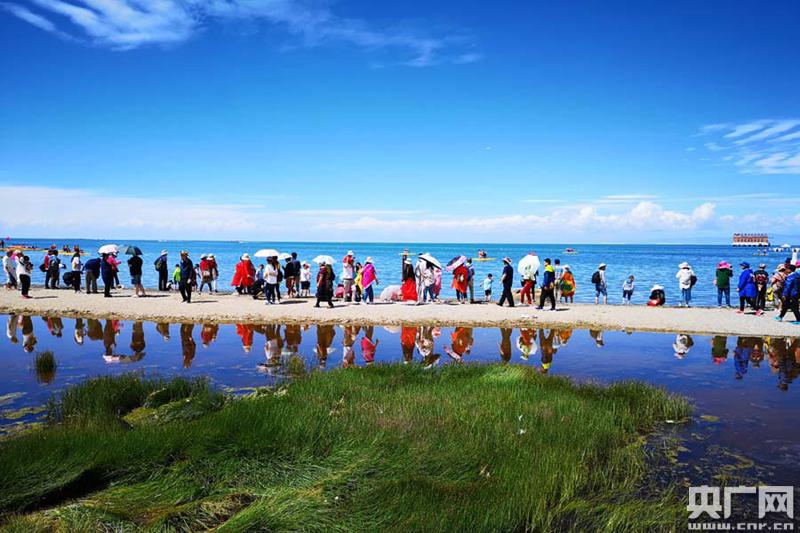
778 282
305 280
212 264
419 278
507 279
135 264
325 279
244 275
348 275
559 274
53 269
628 287
188 277
723 282
108 269
487 288
548 286
162 267
206 276
791 295
746 288
686 279
368 278
75 272
567 285
528 285
761 278
600 286
24 269
471 281
10 269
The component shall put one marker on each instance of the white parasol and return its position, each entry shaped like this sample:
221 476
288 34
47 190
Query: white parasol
267 252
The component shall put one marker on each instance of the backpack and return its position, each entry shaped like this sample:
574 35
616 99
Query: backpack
692 280
761 278
280 275
596 278
158 262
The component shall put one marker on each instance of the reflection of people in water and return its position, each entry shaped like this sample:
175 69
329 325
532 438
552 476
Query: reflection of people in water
94 329
368 345
408 339
274 344
55 326
28 338
425 342
784 359
208 334
188 346
79 332
293 336
741 355
719 349
245 331
548 350
564 336
683 343
350 334
597 335
109 338
325 336
137 341
460 343
11 329
505 344
526 343
163 329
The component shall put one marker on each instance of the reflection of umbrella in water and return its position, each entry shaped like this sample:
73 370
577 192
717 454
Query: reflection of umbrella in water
284 256
527 350
131 250
267 252
430 259
530 263
108 249
456 262
328 260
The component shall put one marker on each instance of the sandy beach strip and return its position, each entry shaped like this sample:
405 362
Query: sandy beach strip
232 308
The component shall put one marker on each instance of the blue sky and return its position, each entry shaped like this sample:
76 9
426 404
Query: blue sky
439 121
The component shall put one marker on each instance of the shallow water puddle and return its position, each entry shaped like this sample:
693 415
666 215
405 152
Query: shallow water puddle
742 387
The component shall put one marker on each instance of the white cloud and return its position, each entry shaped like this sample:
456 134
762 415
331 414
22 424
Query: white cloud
767 146
127 24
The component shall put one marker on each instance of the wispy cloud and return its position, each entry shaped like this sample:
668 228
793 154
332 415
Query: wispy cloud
127 24
766 146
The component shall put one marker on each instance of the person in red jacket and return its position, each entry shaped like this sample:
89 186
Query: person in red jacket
244 275
460 275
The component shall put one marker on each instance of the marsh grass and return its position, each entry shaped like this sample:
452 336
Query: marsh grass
472 448
45 366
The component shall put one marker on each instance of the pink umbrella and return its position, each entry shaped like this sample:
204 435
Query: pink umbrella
455 263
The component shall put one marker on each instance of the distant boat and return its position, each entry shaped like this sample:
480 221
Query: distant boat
570 251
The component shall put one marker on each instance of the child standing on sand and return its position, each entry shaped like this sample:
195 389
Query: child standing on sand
487 288
305 280
627 290
176 276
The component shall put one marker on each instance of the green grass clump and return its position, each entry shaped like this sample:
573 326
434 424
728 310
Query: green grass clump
473 448
105 400
45 365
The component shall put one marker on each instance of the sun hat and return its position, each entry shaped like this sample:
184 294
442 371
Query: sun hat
211 256
163 252
245 256
745 264
204 256
762 265
565 267
184 252
684 265
507 259
306 263
723 264
602 265
368 259
350 253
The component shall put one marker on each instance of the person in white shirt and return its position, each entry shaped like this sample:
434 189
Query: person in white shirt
10 269
24 269
686 280
271 279
305 280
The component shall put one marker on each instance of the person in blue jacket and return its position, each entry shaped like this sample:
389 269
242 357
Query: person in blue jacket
791 295
548 286
746 288
188 277
91 269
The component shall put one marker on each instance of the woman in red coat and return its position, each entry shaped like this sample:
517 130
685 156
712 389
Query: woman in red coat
460 283
244 276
